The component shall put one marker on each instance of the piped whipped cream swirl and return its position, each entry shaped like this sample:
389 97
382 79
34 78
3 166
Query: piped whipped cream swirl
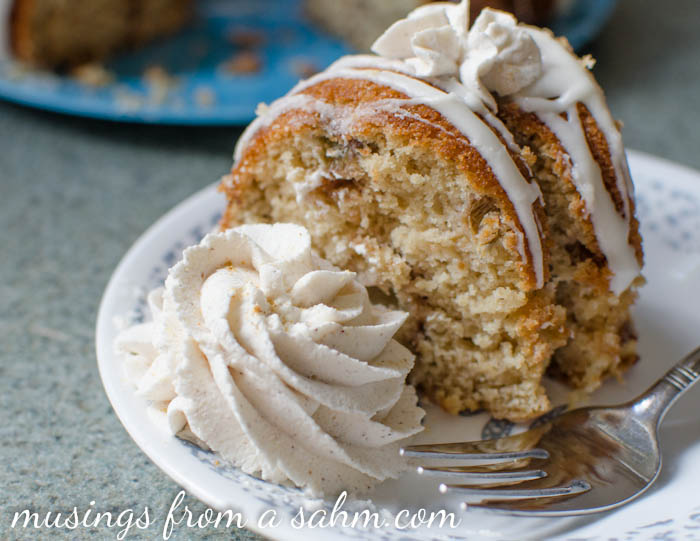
495 55
278 361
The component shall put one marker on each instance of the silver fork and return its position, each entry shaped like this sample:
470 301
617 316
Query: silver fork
584 461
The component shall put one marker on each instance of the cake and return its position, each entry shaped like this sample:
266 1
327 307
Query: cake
59 34
476 178
360 22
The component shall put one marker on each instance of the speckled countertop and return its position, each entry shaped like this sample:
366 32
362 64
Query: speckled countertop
75 194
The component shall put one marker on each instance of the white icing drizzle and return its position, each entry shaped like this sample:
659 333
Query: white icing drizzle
564 83
5 9
448 84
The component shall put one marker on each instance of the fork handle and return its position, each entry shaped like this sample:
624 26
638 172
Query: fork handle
654 403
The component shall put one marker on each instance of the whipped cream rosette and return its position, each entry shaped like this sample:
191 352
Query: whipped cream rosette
278 361
495 55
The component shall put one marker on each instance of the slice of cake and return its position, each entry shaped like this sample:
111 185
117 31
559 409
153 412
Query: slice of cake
59 33
478 178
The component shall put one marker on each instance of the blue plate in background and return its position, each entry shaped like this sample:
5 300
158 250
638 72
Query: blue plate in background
582 22
200 87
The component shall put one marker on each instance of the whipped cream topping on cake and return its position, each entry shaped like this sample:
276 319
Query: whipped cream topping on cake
275 359
434 58
501 55
435 40
430 39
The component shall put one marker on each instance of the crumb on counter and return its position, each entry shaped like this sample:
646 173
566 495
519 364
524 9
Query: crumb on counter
128 100
159 83
244 62
303 67
93 74
204 96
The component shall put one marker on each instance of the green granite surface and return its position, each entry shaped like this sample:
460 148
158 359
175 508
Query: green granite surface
75 194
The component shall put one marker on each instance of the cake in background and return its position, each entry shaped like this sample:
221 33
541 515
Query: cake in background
360 22
60 34
475 174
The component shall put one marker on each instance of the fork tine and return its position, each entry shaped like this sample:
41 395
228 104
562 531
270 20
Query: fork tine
477 496
466 477
465 451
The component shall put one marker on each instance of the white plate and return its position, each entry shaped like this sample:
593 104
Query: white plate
667 319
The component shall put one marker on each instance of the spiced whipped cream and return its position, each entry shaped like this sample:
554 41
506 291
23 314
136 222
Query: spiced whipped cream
495 55
276 360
